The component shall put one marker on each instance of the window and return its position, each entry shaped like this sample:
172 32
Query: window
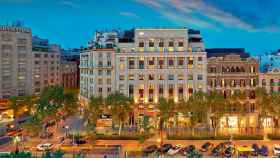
151 61
161 63
100 81
171 44
100 72
37 55
131 64
180 61
151 77
199 77
170 77
122 59
121 77
130 90
45 55
180 44
140 77
199 58
161 77
180 77
190 60
170 62
151 43
100 89
263 82
109 89
131 77
161 44
190 77
141 44
108 81
108 72
141 64
160 90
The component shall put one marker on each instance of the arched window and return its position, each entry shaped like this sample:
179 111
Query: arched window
237 69
232 69
242 69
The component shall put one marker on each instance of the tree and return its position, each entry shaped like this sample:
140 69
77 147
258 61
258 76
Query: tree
216 105
194 154
196 109
70 104
166 110
33 126
264 103
93 110
120 108
15 106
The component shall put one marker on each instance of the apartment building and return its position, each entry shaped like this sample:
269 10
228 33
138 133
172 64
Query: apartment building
45 65
15 63
69 74
169 63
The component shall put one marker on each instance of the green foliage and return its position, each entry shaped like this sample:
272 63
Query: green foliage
93 110
55 154
123 137
273 136
194 154
17 155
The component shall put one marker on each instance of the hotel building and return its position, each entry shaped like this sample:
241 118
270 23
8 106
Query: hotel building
270 80
169 63
228 74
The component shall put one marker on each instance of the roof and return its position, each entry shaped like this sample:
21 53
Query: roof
221 52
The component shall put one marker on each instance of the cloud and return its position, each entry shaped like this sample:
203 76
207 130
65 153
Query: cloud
68 3
217 13
129 14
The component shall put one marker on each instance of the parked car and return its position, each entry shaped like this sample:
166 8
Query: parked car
217 151
5 140
256 149
229 152
263 150
174 150
206 146
45 135
166 147
45 147
150 149
276 149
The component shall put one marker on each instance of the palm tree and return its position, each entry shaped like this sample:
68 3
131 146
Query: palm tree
120 108
264 104
166 109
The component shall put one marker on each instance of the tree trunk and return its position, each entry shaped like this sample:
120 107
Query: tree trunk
120 128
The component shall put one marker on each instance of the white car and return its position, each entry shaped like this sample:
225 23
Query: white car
45 147
174 150
276 149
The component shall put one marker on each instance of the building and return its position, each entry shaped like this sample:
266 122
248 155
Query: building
45 65
157 63
15 63
269 61
231 74
69 74
72 56
108 39
270 80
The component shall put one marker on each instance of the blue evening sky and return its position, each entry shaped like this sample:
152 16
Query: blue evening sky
252 24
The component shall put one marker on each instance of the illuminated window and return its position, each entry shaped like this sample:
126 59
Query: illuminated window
121 77
190 77
140 77
161 77
131 77
180 77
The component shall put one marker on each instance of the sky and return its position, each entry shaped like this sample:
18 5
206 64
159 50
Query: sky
250 24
